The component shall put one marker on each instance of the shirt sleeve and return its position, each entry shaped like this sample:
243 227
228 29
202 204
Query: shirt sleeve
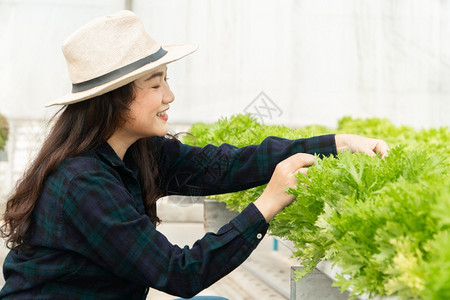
125 242
197 171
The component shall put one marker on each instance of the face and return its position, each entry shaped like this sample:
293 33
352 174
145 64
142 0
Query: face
148 112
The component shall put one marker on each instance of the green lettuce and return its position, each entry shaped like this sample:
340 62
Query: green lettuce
383 222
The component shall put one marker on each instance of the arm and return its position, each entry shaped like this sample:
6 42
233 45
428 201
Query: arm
211 170
124 241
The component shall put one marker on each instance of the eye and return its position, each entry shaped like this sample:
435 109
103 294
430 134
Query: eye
159 85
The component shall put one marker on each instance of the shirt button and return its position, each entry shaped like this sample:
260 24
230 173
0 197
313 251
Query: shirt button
259 236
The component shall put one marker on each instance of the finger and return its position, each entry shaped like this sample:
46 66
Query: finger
369 152
303 171
295 162
301 160
382 148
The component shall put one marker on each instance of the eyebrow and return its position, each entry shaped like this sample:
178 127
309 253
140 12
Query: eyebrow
158 74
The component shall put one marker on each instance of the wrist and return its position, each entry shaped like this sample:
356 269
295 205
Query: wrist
267 206
340 140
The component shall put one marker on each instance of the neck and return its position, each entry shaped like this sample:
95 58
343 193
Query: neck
120 144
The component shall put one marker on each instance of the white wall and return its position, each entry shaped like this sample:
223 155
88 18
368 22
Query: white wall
32 67
316 60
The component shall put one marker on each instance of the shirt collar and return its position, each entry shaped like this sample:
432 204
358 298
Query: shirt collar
107 152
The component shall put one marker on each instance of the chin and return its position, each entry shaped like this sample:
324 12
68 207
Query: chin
162 133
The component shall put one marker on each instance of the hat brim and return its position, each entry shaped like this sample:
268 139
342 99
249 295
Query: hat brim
174 52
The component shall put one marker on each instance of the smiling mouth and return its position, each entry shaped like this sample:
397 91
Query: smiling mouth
162 113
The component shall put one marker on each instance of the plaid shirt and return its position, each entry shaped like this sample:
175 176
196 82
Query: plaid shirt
92 239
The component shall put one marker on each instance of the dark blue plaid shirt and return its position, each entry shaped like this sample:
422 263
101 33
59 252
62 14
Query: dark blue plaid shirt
92 239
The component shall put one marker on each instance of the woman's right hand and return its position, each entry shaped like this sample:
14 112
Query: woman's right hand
274 198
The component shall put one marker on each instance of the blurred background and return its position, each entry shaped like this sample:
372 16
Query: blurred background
287 62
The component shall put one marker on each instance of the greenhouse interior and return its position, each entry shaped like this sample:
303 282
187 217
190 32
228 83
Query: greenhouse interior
368 215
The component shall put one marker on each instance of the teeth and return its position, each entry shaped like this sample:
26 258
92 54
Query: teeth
162 113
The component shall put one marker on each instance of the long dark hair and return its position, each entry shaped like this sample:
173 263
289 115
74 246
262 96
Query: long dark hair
78 128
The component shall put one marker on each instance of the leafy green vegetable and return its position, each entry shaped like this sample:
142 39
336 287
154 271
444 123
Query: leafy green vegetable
384 222
4 130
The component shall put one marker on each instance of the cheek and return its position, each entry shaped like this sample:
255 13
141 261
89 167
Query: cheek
143 114
146 102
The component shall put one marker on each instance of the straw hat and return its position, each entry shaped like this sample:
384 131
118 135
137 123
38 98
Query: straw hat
110 52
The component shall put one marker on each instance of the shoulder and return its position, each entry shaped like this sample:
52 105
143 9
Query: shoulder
82 167
73 182
85 179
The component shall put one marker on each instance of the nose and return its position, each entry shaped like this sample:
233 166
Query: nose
168 96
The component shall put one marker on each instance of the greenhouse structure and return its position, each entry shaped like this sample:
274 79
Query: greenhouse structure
360 227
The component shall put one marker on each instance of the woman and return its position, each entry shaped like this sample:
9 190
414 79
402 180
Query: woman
81 221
